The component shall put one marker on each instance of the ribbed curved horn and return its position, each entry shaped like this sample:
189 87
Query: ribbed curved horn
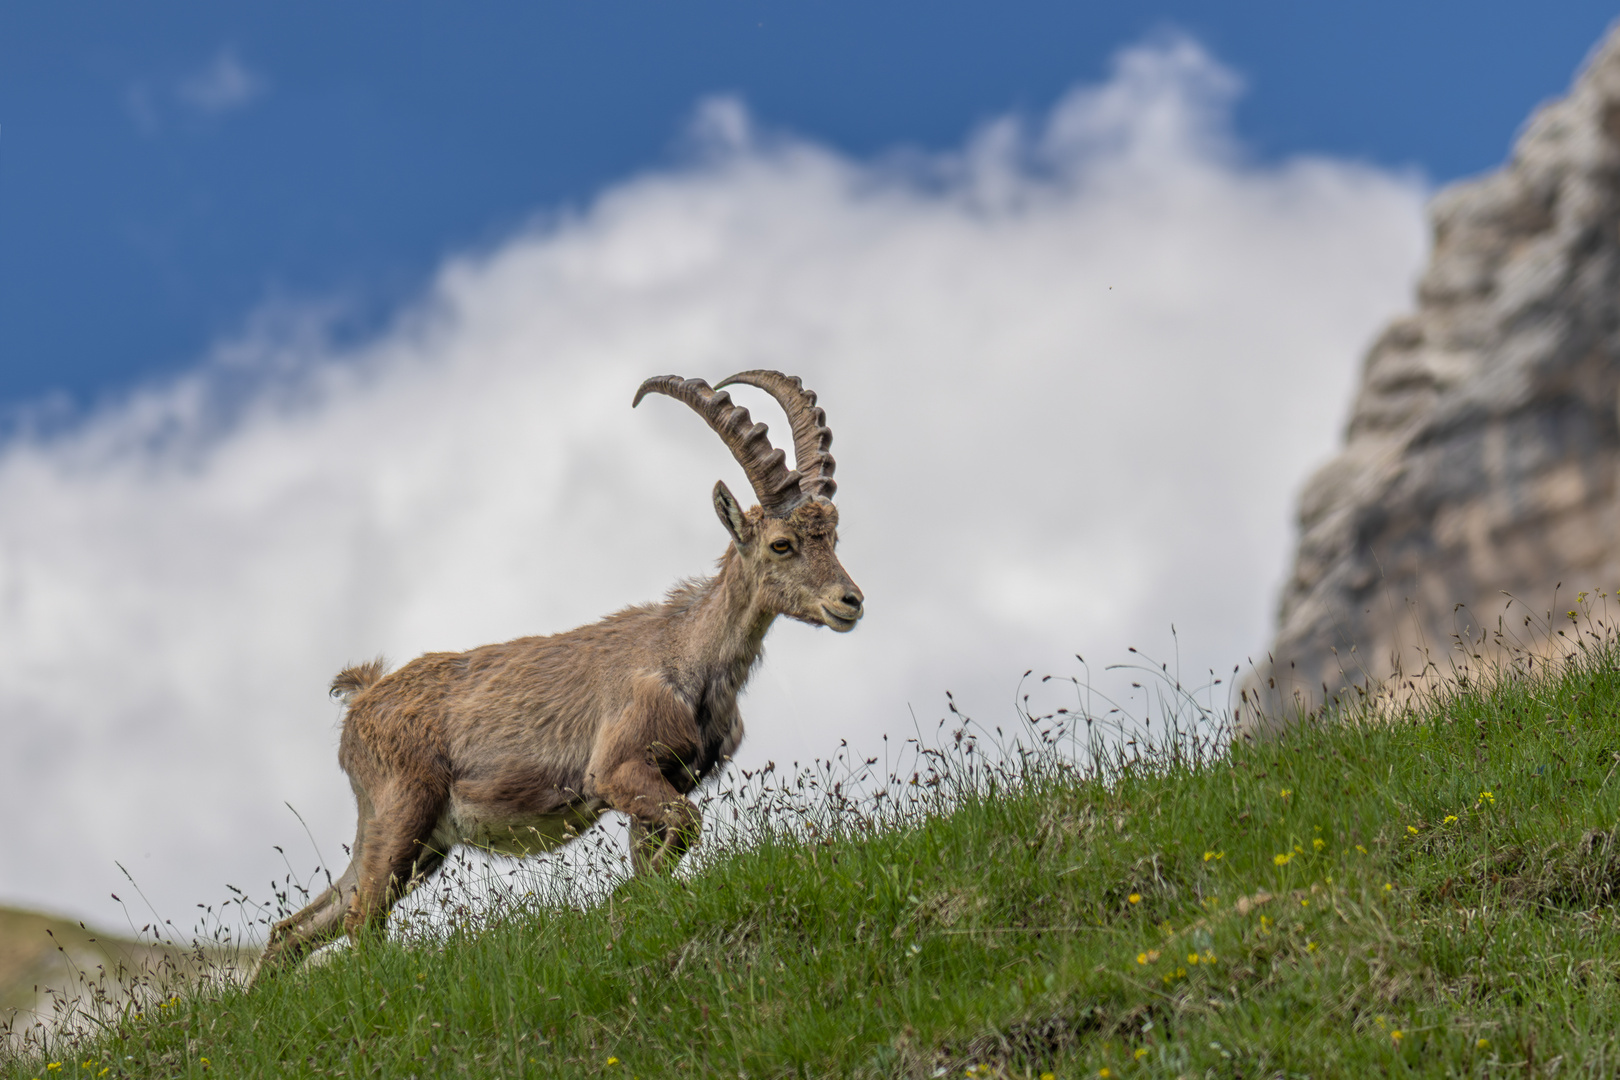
777 488
811 435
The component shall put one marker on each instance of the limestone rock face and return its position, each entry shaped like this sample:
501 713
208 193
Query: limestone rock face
1481 454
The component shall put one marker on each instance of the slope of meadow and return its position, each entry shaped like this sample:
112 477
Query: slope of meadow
38 951
1430 894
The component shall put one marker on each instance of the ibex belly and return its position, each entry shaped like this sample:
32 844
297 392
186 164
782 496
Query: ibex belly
494 827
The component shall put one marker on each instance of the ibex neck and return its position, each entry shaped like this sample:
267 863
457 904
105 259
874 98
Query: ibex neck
728 625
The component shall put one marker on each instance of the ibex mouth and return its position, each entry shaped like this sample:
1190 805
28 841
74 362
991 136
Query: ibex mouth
838 622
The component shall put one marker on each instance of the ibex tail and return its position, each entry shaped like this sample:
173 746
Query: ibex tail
356 677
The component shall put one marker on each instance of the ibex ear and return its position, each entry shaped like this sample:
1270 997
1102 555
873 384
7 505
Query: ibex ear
731 515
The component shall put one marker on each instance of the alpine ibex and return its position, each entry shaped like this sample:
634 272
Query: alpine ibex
520 747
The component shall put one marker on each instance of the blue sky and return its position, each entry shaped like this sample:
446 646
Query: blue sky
166 171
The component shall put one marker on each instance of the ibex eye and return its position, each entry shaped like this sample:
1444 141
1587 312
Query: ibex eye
781 547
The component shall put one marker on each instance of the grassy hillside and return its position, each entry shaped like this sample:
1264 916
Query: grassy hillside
38 950
50 966
1428 896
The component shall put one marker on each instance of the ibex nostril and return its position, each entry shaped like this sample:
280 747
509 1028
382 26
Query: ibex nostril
852 600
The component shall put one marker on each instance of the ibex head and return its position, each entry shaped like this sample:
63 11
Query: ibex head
787 542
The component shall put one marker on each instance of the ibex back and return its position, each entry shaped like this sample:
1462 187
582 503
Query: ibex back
520 747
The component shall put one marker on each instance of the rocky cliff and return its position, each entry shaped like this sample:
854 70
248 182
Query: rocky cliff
1482 449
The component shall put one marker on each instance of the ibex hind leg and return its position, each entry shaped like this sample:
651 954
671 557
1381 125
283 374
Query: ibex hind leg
321 920
399 853
316 924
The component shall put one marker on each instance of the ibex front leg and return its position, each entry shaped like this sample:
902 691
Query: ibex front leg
654 733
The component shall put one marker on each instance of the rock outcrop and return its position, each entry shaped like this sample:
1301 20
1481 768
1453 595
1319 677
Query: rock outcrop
1483 450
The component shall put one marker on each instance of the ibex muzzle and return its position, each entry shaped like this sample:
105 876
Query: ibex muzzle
520 747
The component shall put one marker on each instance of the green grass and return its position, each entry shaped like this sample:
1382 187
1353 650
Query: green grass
1428 896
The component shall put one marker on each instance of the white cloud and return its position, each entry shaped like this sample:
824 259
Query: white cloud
223 84
1076 371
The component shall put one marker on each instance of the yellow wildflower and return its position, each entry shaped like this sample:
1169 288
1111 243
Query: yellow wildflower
1483 1044
1319 843
1412 829
1449 819
1361 849
1141 1052
1286 792
1135 898
1397 1034
1281 860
